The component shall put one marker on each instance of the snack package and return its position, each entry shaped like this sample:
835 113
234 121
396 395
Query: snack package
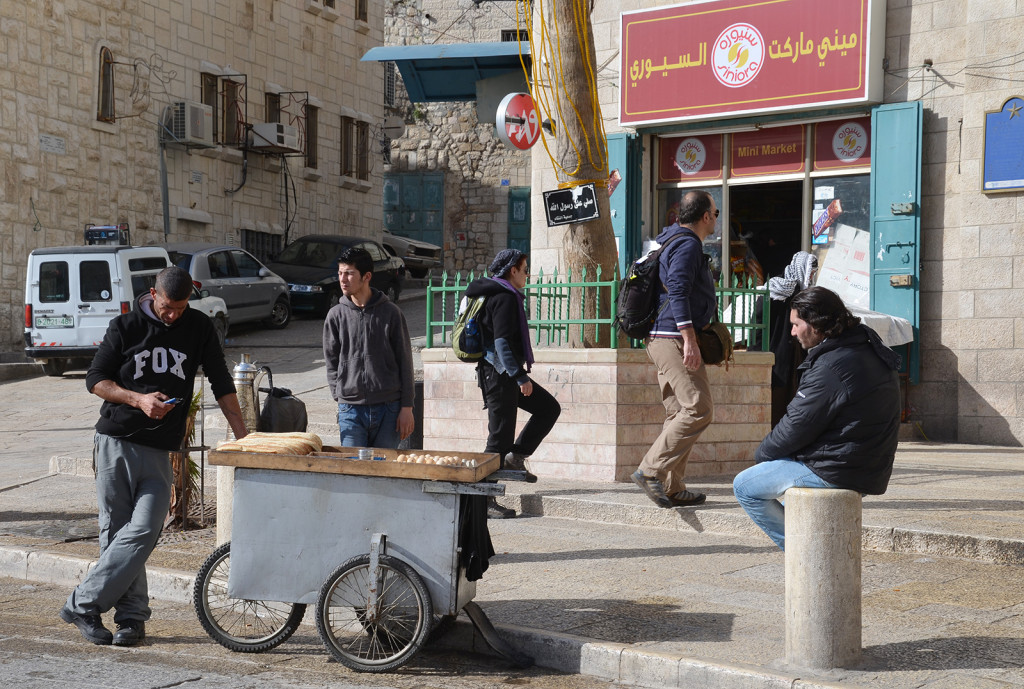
834 210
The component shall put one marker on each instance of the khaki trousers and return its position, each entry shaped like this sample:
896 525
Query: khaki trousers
688 407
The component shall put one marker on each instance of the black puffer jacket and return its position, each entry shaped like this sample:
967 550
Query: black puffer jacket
844 421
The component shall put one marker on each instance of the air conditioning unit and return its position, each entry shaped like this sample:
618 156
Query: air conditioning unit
189 123
274 137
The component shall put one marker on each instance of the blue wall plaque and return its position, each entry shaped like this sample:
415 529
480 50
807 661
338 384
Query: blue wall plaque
1004 148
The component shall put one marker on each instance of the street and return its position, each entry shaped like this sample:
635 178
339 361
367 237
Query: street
40 651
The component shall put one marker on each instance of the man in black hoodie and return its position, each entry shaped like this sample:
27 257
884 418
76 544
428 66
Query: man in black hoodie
145 372
841 429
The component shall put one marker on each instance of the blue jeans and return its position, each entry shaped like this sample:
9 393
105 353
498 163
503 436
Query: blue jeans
759 488
369 425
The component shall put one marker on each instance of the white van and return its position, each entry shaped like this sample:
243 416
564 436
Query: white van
72 293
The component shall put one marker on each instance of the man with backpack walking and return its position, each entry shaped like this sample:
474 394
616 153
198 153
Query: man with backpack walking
686 306
503 370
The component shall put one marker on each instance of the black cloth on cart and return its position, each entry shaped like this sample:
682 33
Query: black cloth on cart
474 538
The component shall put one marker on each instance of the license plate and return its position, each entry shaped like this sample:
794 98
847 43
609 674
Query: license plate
55 321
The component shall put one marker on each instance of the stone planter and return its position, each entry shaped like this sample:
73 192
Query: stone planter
611 411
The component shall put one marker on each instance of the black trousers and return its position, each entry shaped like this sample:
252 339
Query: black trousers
502 399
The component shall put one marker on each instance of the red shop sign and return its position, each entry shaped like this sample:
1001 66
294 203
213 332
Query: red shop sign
690 158
773 151
842 144
737 57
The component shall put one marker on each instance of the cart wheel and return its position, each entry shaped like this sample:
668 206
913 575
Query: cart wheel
246 626
403 621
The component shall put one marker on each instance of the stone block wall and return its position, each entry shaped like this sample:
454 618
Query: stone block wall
611 411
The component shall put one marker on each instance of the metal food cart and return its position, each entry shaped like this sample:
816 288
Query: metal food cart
374 545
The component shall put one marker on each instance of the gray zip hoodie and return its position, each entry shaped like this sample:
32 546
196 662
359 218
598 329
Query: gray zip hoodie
367 352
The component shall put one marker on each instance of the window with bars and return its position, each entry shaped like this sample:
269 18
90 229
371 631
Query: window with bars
514 35
347 145
361 13
105 101
363 150
312 116
389 84
263 245
273 103
234 118
208 96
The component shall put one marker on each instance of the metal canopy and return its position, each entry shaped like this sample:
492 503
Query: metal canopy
449 72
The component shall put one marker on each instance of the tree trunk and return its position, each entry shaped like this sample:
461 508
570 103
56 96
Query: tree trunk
582 156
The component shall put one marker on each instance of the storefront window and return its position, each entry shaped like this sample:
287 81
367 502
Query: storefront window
668 208
840 236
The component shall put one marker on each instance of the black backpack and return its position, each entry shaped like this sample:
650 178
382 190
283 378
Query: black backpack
637 305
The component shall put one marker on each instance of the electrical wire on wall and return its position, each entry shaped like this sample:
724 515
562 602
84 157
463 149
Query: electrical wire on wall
545 55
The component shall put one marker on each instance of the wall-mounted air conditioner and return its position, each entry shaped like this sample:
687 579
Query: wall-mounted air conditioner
189 123
274 137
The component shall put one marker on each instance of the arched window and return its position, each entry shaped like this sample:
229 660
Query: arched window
105 101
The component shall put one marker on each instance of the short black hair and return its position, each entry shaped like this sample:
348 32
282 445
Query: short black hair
695 204
174 283
357 257
823 310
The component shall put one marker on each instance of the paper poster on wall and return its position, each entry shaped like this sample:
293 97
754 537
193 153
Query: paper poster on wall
846 268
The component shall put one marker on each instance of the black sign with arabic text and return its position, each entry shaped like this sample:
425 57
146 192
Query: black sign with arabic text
576 204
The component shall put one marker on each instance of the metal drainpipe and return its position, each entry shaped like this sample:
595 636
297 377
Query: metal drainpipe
244 378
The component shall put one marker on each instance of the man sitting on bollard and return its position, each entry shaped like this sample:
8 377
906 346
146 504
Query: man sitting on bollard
840 430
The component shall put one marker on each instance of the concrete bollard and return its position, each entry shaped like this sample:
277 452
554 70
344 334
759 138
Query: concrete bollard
823 570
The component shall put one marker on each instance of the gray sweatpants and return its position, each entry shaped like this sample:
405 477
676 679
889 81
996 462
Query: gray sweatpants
133 488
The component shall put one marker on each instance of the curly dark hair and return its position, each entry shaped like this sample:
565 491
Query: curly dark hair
823 310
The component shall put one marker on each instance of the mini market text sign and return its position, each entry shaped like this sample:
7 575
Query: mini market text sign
576 204
735 57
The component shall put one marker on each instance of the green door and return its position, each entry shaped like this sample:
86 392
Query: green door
519 218
414 205
624 185
896 216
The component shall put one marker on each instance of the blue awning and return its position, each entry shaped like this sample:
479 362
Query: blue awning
449 72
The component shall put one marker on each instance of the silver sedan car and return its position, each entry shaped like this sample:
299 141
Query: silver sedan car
251 291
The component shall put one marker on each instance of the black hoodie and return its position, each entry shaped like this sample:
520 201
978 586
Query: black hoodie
143 354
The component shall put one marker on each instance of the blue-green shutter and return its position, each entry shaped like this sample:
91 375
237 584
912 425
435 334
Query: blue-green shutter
896 217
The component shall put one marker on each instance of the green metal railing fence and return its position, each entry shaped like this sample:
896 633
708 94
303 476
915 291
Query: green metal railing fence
548 308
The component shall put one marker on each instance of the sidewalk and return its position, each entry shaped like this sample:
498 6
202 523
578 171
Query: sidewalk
603 583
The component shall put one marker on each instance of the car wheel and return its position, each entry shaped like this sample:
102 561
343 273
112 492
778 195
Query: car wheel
392 292
220 324
418 273
281 316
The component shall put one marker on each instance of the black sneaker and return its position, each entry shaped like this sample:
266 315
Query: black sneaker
496 511
130 633
686 498
91 627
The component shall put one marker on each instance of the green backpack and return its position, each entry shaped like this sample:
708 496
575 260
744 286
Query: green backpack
467 336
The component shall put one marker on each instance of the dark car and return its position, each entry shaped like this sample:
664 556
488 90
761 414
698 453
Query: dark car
310 267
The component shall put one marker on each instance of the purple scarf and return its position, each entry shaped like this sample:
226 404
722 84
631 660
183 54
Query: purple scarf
524 329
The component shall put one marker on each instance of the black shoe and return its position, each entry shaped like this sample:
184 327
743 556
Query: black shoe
685 498
652 487
91 627
130 633
517 462
496 511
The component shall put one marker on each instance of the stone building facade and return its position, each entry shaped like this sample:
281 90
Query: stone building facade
959 59
452 138
62 166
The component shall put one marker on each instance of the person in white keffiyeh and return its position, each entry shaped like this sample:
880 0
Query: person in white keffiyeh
799 274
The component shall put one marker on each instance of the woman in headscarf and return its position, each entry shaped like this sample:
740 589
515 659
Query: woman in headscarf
503 372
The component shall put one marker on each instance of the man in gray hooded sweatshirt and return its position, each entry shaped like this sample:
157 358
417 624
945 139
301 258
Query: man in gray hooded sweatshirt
369 359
